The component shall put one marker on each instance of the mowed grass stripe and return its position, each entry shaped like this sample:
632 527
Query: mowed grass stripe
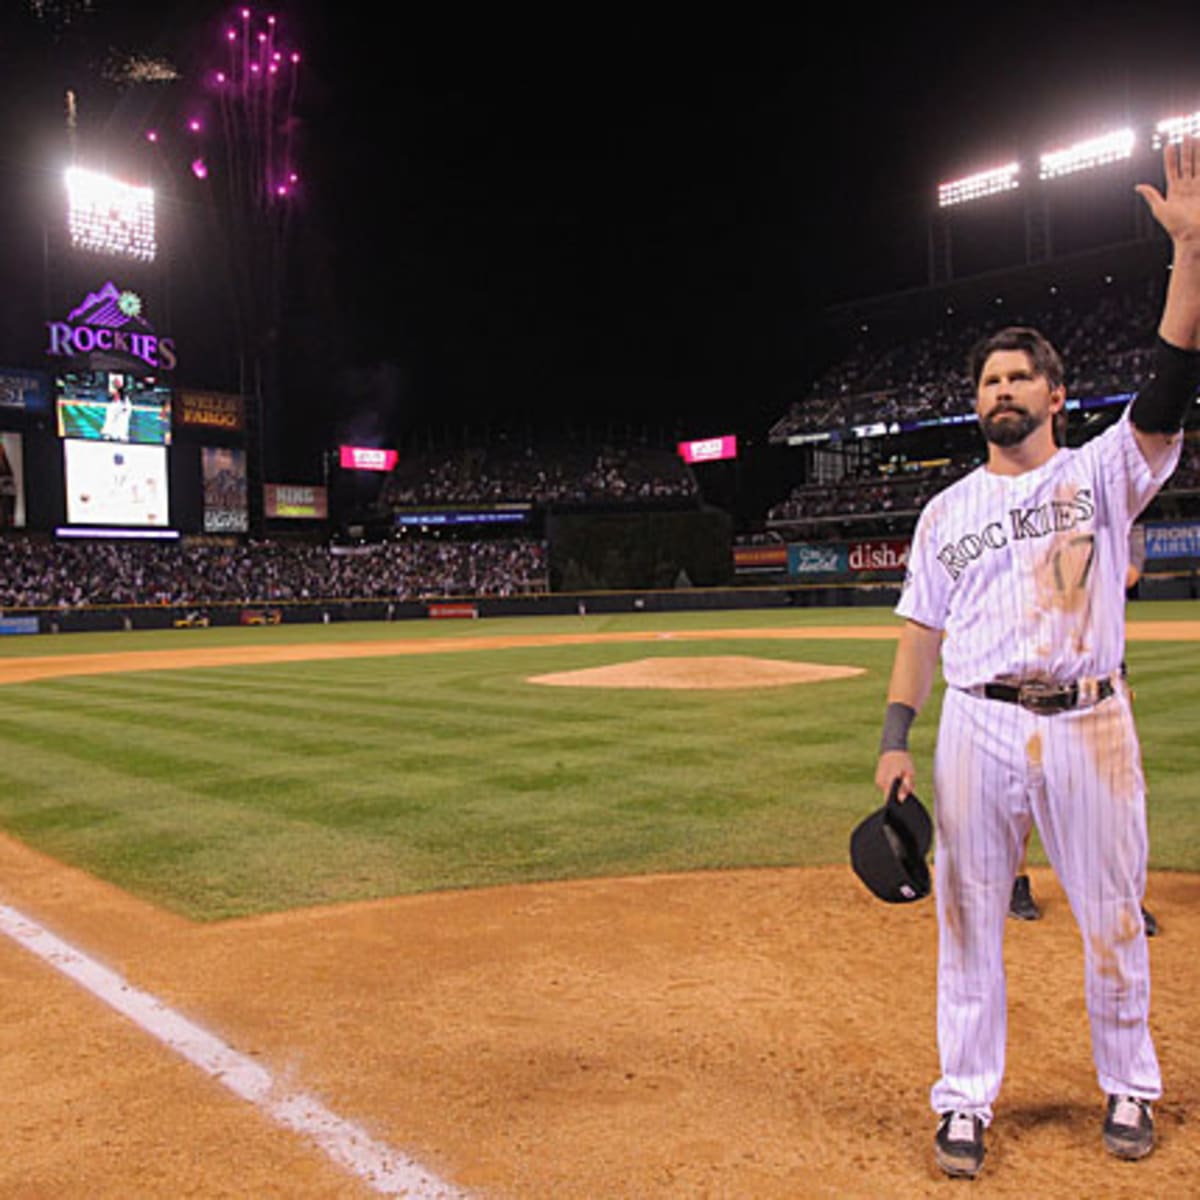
223 791
454 757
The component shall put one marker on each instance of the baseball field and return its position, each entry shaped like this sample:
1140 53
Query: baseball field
522 908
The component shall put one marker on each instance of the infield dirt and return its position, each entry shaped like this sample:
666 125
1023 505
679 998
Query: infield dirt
744 1034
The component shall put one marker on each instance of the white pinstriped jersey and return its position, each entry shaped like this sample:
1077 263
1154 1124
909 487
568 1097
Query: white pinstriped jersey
1026 573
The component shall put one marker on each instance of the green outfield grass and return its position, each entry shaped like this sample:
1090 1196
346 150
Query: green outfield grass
225 791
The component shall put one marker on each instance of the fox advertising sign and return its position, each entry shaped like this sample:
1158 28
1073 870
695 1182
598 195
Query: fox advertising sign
367 458
111 322
708 449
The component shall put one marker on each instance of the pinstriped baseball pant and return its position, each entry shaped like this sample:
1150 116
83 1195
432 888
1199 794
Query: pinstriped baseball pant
1078 776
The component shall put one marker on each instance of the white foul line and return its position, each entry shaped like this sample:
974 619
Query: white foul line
381 1168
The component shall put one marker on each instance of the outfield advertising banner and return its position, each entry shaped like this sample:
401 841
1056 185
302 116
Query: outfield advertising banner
817 558
210 410
708 449
847 558
1172 539
444 612
367 458
18 625
760 558
27 390
295 501
226 506
12 482
889 555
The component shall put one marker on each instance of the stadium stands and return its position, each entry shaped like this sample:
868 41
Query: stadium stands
908 376
37 573
1104 345
545 474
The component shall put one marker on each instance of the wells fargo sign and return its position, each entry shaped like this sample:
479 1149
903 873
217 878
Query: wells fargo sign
210 410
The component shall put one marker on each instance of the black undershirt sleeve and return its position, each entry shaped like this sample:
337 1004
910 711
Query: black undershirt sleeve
1163 402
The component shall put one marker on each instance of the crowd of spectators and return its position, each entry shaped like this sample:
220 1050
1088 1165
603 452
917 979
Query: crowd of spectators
44 574
904 493
552 474
1105 347
867 495
1105 340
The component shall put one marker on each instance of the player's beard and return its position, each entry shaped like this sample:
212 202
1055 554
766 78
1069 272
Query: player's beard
1009 430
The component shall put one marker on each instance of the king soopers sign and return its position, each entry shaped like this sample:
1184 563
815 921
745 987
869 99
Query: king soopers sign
110 321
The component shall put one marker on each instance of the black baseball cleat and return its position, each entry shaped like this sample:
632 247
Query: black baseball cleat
1128 1127
959 1144
1150 922
1021 903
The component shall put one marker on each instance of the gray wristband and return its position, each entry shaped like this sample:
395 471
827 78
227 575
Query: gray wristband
896 723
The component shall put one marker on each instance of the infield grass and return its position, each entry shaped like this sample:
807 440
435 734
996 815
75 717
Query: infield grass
226 791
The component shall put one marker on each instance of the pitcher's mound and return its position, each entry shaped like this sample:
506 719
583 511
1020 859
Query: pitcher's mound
728 671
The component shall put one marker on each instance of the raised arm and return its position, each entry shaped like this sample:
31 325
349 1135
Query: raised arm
1160 408
1178 212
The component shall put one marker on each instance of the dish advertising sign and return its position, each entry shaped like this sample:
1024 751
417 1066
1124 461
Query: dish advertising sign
366 458
708 449
889 555
817 558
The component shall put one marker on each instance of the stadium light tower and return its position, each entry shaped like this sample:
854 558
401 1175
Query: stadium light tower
979 185
106 216
1087 155
1105 150
969 189
1174 129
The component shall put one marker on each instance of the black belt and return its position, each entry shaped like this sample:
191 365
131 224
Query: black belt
1041 697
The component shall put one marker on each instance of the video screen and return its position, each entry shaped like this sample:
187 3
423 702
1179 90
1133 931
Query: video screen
116 484
108 406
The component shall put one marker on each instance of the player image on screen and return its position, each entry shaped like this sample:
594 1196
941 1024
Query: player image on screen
111 484
113 407
120 409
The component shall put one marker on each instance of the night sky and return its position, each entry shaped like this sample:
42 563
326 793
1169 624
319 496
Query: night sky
595 213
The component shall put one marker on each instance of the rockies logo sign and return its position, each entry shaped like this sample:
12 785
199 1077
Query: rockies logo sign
111 322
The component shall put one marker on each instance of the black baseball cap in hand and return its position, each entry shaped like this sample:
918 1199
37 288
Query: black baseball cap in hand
888 849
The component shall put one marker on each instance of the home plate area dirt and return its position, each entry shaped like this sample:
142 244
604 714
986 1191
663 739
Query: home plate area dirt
743 1035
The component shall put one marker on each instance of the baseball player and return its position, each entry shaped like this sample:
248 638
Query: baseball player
1016 581
1024 907
1021 903
119 412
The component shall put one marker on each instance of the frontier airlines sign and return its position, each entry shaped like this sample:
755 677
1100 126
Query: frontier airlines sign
111 322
